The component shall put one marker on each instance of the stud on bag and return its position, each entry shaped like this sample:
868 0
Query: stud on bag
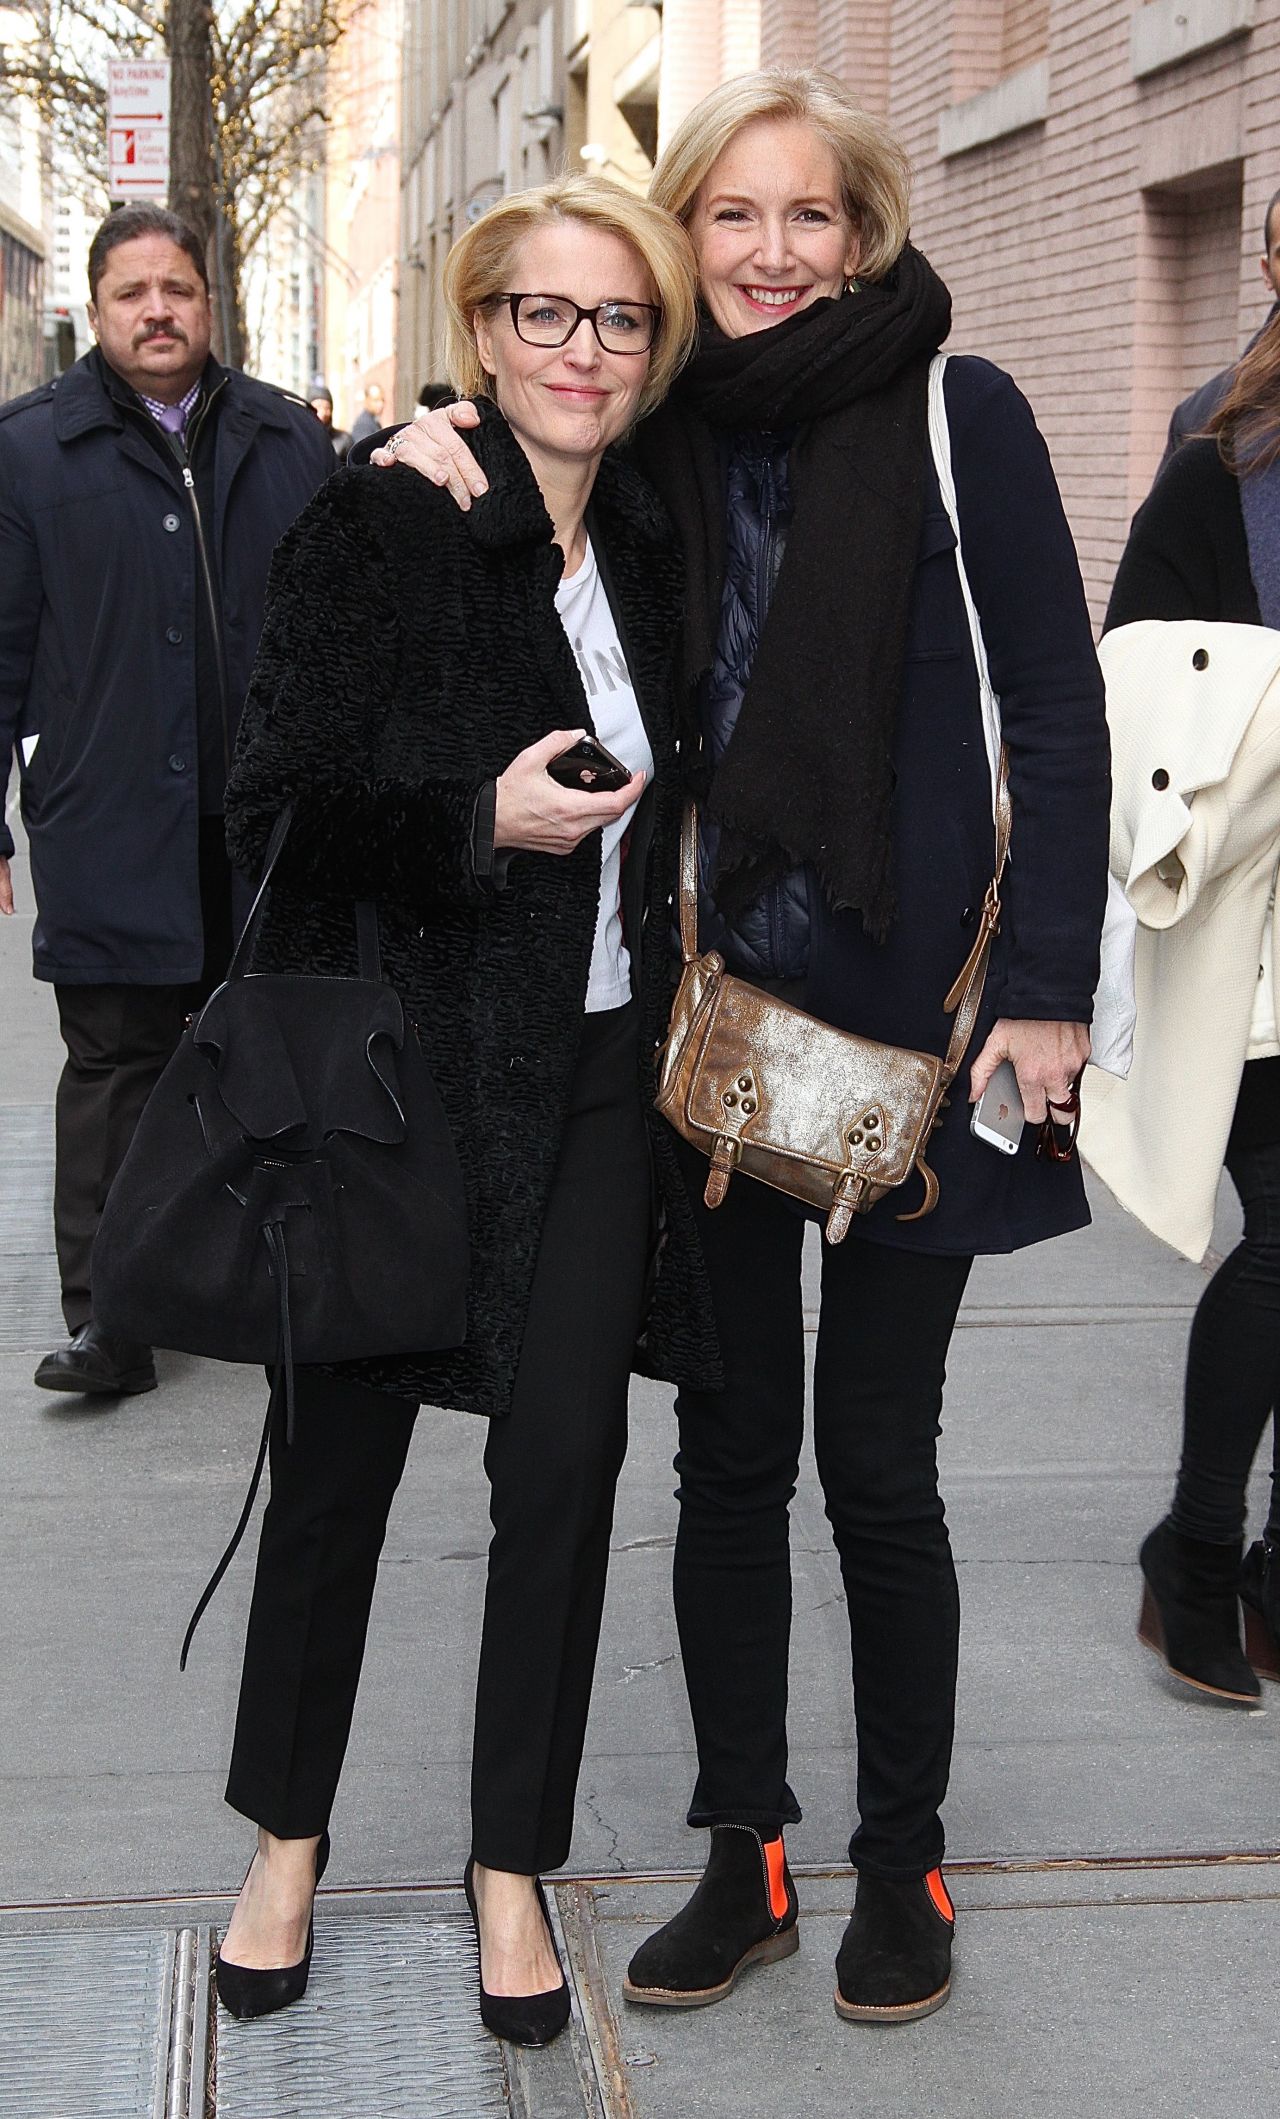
832 1118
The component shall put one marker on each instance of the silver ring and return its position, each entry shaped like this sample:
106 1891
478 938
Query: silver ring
393 445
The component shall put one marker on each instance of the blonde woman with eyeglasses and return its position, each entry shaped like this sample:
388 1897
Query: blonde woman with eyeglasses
442 698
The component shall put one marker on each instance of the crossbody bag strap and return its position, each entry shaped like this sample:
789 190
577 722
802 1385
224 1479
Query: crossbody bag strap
689 883
940 445
965 996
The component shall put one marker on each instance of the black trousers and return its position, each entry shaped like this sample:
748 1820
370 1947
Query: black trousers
119 1040
1233 1364
885 1325
553 1466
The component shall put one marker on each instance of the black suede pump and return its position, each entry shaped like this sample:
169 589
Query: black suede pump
1190 1613
743 1912
894 1961
1260 1595
522 2019
245 1991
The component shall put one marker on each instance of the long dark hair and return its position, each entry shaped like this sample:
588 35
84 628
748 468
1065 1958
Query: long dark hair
1247 422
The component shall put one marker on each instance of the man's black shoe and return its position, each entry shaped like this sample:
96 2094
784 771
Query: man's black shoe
92 1362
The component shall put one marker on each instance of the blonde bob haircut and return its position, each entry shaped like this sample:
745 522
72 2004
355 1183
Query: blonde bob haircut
875 175
479 267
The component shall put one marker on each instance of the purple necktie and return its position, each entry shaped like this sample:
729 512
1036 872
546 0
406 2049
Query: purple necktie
173 419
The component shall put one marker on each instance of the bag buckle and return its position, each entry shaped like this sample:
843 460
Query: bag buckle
725 1157
850 1188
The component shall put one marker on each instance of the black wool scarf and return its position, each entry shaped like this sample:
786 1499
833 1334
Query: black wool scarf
808 773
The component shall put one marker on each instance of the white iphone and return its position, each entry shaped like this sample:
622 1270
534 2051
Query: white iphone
998 1116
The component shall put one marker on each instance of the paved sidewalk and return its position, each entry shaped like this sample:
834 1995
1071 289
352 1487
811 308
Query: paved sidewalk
1110 1959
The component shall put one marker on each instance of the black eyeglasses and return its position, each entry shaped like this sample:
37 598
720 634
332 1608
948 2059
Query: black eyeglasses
552 319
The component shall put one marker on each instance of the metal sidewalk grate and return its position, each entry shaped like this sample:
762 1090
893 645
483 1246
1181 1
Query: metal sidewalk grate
30 1311
84 2025
388 2029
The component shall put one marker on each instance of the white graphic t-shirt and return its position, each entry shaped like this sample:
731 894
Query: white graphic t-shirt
593 636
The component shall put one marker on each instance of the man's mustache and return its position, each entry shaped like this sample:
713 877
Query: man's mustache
165 330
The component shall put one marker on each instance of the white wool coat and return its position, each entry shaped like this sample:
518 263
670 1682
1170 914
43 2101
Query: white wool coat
1194 713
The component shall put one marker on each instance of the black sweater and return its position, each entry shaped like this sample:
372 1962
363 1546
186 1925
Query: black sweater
1188 557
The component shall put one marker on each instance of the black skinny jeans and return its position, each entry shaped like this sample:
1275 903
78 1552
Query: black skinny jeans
553 1466
885 1325
1233 1365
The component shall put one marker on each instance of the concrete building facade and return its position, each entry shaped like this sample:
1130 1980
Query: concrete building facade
483 114
24 229
503 93
67 280
362 265
284 287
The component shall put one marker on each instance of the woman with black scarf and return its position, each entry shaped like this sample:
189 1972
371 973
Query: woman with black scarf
838 752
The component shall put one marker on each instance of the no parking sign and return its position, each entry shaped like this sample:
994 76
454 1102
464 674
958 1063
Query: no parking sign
138 128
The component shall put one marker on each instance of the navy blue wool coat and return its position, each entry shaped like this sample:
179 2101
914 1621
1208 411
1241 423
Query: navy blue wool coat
99 578
1022 567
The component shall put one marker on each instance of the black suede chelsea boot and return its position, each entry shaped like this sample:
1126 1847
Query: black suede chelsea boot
743 1912
1191 1613
894 1961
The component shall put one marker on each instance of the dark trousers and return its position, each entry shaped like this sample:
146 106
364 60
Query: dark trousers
1233 1364
119 1040
885 1325
553 1466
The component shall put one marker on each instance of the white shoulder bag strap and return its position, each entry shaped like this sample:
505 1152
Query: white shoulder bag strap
940 443
1115 1003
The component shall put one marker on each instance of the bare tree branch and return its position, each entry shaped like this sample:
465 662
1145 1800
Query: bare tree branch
270 95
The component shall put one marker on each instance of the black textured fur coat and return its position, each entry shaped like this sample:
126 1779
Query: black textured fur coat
409 652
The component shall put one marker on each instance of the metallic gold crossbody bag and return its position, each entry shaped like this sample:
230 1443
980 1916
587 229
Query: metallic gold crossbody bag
834 1119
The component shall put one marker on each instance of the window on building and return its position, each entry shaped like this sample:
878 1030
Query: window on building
1189 320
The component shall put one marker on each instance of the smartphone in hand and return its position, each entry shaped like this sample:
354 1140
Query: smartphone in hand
998 1116
589 769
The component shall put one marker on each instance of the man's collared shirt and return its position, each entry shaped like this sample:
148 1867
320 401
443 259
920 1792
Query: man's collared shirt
185 405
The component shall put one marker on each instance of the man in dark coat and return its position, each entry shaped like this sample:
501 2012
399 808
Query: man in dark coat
321 403
141 497
1192 416
368 419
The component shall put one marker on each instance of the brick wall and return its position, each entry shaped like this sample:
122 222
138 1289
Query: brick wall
1107 253
1024 33
705 42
